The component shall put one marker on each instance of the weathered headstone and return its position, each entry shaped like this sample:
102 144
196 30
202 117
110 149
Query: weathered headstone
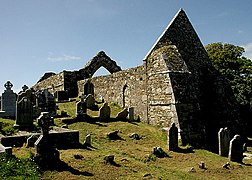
87 142
131 113
224 140
122 114
81 108
236 149
45 153
159 152
173 137
8 102
104 112
89 100
24 109
46 102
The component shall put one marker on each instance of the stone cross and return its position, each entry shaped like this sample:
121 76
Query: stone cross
8 85
224 140
24 88
173 137
44 122
8 102
46 155
236 149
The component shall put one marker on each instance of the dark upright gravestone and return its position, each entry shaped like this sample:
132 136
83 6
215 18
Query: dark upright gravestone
45 153
8 102
81 108
173 137
224 140
104 112
236 149
46 102
131 113
24 109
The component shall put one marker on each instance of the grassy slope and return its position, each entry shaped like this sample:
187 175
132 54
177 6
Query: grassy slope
130 155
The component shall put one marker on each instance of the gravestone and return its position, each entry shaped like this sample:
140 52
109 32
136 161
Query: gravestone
8 102
45 153
81 108
24 109
104 112
236 149
224 140
46 102
89 100
122 114
173 137
87 142
131 113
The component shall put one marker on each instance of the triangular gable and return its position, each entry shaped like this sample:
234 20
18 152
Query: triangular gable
181 33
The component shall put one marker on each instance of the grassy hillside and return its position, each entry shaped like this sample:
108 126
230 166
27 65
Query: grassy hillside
133 158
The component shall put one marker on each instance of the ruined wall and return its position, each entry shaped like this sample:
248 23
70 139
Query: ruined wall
64 81
127 88
53 83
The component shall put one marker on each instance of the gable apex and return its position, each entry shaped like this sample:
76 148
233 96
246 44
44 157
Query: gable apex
179 32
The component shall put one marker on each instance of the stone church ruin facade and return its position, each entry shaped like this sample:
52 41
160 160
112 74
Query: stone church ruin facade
176 84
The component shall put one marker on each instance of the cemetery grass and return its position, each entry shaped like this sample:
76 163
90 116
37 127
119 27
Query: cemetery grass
134 158
6 127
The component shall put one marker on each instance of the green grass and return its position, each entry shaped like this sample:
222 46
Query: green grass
6 127
18 168
130 155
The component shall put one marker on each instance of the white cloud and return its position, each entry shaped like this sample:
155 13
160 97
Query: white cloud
248 50
63 58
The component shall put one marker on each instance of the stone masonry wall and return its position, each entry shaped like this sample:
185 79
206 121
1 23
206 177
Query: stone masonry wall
124 87
161 102
53 83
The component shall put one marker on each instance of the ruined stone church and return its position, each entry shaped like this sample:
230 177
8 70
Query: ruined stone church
175 84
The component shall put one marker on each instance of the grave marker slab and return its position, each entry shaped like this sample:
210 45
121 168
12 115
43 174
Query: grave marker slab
173 137
131 113
24 109
8 102
224 140
104 112
236 149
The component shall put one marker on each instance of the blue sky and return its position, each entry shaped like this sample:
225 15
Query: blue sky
38 36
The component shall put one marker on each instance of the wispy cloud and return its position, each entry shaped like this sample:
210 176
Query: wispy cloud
64 57
248 50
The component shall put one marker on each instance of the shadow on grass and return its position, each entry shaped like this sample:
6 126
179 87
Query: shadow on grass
96 120
61 166
87 147
183 150
115 164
